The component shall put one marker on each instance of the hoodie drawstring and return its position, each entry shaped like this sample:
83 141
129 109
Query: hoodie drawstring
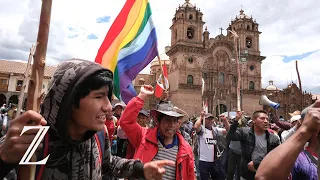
70 164
91 158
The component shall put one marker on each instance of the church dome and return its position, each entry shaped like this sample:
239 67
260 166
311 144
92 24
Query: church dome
271 87
164 59
187 4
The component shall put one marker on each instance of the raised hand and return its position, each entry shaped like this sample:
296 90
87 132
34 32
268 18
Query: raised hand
311 122
239 115
223 117
155 169
202 114
14 145
145 91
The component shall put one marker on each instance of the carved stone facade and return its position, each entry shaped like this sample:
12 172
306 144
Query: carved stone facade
194 55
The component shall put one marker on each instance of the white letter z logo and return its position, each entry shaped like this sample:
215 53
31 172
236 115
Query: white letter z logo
34 145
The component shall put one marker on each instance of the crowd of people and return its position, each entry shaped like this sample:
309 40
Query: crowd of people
91 139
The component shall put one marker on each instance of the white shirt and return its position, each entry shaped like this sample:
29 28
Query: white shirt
207 143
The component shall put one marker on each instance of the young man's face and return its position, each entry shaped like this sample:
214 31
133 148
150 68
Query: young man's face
168 126
261 122
118 110
92 110
142 120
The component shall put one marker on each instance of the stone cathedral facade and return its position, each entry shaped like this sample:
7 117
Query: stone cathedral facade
195 55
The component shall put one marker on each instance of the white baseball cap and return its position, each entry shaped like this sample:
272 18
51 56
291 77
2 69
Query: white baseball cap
295 118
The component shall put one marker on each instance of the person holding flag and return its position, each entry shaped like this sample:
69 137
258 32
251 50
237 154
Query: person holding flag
162 142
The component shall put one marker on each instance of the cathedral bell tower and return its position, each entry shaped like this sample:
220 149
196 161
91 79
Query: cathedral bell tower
185 54
187 25
249 55
248 32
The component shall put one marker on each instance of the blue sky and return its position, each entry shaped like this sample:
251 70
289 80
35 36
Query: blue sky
298 57
103 19
92 36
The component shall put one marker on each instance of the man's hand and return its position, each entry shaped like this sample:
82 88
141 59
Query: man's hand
14 145
274 115
239 115
298 124
223 117
155 169
114 137
311 122
202 114
251 166
145 91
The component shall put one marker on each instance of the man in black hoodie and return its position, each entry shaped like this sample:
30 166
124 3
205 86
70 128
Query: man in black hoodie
75 107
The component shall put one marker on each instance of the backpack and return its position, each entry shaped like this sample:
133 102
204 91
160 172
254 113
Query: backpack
99 137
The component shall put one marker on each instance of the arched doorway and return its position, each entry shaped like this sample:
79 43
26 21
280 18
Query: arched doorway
223 108
13 99
3 99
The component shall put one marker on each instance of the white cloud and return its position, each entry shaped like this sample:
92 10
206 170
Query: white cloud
273 68
289 27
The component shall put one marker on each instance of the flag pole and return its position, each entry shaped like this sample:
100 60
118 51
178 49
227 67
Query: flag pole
35 83
300 86
235 38
162 73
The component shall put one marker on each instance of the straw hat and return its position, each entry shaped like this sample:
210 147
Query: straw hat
165 108
295 113
185 117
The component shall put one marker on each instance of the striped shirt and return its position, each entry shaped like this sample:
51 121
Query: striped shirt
167 154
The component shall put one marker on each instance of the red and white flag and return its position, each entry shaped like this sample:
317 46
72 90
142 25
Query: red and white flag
159 86
205 106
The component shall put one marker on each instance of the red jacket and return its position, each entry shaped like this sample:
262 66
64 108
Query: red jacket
145 141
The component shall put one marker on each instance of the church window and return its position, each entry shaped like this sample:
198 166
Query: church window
190 33
190 60
251 68
248 27
221 78
200 18
175 34
190 79
190 16
251 85
182 15
248 42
